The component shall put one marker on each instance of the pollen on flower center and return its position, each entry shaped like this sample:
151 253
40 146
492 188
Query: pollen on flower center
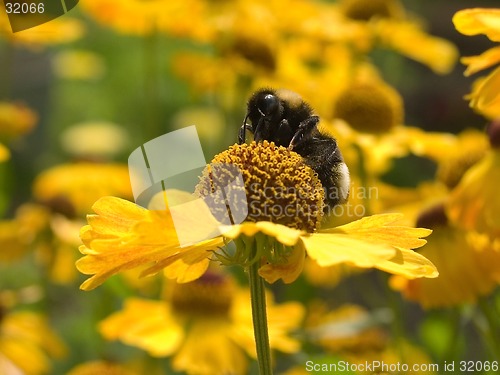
210 295
279 186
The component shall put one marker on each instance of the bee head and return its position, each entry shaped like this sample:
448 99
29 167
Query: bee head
268 105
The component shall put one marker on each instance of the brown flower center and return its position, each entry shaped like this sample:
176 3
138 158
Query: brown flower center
210 295
432 217
364 10
370 108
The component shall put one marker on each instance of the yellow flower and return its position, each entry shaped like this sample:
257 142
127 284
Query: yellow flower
390 27
349 328
79 64
370 107
484 97
100 367
180 18
479 21
285 207
53 237
73 188
475 204
26 335
485 60
326 276
465 273
4 153
18 234
94 140
16 119
205 325
355 335
409 39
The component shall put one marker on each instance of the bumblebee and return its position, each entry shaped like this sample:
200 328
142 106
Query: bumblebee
281 116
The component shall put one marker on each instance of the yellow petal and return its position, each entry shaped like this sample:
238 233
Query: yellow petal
191 216
123 236
329 249
26 334
4 153
372 242
289 271
376 229
209 349
485 97
478 21
285 235
115 215
475 203
483 61
412 41
145 324
409 264
279 328
188 265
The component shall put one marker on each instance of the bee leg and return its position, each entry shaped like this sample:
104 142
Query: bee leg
261 131
284 133
305 128
242 132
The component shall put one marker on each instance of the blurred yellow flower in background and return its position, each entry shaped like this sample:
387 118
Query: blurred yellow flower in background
27 343
370 106
206 325
409 39
356 336
73 188
349 328
474 204
484 97
101 367
465 272
179 18
4 153
391 27
79 64
17 235
95 140
16 119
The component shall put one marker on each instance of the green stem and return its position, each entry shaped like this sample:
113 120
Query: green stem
493 334
396 307
455 322
259 316
151 86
